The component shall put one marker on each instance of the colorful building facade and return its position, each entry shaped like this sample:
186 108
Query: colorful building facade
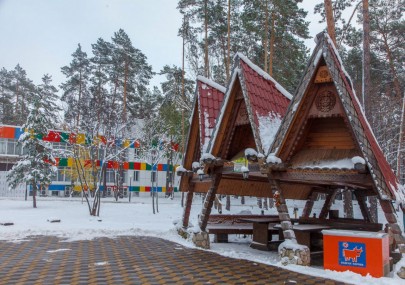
137 175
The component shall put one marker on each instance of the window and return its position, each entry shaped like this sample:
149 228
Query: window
136 175
10 147
3 146
136 153
59 145
55 193
110 176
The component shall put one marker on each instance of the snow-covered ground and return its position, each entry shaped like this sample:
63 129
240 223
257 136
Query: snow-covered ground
136 218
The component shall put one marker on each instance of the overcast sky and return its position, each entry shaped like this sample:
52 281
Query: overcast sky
41 35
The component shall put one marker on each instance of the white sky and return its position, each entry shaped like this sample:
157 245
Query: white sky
41 35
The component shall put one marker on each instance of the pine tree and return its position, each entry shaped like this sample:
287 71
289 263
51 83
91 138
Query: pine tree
21 86
6 96
100 84
130 73
50 99
76 88
36 166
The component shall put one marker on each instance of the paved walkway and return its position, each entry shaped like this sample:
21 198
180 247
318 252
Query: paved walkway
131 260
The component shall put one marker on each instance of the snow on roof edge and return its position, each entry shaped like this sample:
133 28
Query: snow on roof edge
265 75
211 83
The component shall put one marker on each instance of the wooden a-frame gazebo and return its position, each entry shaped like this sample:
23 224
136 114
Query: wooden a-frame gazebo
207 103
326 144
251 113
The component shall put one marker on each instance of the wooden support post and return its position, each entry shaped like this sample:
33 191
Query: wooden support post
309 205
362 204
281 206
328 203
209 199
187 208
392 225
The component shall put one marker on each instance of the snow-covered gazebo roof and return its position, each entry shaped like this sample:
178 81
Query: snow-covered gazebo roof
255 99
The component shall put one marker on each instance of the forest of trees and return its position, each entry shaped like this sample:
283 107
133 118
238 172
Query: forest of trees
110 86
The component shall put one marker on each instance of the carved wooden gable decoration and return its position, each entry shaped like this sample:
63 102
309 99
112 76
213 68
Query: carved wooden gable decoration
325 124
251 95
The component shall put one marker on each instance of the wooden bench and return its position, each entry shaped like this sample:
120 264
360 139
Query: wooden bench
223 225
344 224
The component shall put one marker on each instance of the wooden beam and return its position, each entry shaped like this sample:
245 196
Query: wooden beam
309 204
282 210
187 208
354 180
209 200
363 206
328 203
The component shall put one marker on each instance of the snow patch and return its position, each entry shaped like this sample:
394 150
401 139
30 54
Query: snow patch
244 169
272 158
58 250
290 244
102 263
358 159
206 156
210 83
318 57
195 165
268 127
346 163
180 168
250 152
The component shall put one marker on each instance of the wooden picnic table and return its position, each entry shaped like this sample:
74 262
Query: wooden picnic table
262 231
304 233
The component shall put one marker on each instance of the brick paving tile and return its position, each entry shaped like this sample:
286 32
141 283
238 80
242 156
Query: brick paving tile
131 260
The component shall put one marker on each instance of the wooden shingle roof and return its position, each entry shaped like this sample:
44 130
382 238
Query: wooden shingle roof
266 101
210 96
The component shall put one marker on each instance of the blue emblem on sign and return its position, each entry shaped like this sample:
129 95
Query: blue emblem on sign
352 254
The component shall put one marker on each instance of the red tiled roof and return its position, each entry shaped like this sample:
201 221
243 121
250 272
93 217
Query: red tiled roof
210 99
391 179
263 94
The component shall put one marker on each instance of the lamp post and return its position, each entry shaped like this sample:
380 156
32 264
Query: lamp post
200 173
245 172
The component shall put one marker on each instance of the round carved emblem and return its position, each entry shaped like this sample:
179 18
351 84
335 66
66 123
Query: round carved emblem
323 74
325 101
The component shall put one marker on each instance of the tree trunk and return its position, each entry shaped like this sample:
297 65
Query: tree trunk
330 20
182 109
266 33
259 203
272 40
124 112
228 58
265 205
367 87
206 62
366 60
78 101
34 194
397 87
228 203
401 144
